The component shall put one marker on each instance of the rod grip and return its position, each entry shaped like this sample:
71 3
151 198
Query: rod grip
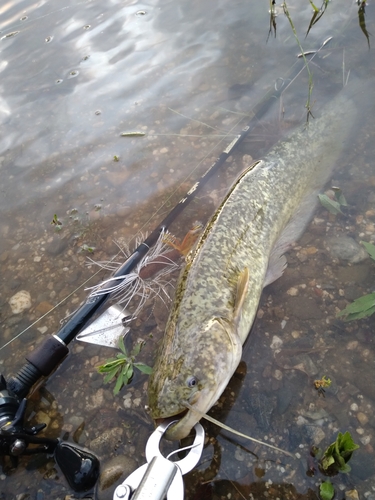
39 363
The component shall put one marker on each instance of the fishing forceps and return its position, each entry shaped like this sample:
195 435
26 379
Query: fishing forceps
160 477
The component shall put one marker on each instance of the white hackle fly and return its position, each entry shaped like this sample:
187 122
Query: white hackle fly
124 289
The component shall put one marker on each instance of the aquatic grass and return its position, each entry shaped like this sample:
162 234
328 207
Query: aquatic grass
362 20
317 14
311 84
273 15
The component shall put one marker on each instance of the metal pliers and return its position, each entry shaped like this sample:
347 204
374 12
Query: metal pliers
160 477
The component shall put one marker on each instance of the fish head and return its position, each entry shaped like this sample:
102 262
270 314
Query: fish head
196 373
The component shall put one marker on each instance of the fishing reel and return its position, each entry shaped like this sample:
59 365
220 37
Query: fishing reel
80 467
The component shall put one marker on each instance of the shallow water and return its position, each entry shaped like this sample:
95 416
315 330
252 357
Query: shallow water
73 77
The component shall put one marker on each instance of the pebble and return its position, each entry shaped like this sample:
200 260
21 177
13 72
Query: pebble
346 248
365 440
20 302
352 345
56 246
106 441
362 418
276 342
113 473
351 495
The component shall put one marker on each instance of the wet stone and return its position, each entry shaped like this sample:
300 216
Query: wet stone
261 406
362 464
304 308
107 441
57 246
20 302
362 418
304 363
352 292
113 473
315 433
346 248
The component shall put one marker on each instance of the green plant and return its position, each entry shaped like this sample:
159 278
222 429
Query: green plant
336 456
333 205
364 306
56 222
326 490
122 366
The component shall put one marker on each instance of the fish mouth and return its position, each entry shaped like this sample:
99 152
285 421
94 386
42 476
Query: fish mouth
178 416
182 426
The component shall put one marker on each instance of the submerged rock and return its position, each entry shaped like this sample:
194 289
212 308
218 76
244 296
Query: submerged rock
346 248
20 301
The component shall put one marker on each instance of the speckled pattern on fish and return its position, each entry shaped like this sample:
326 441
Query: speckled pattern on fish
266 209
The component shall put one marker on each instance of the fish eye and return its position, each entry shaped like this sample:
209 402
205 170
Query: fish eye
192 382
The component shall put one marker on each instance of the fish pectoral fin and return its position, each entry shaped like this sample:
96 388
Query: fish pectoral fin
242 286
276 267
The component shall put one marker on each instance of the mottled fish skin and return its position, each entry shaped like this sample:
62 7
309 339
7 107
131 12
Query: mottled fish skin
265 210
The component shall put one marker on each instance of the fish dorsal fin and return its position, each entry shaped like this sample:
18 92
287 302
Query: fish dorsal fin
242 286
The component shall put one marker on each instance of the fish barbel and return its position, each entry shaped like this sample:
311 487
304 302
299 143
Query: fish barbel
240 251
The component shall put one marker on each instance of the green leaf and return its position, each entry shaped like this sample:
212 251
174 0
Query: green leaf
117 388
360 308
370 248
143 368
129 372
316 9
331 205
345 469
137 348
327 461
107 367
122 346
346 443
340 198
326 491
111 375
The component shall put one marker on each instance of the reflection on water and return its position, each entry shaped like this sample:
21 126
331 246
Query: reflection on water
73 78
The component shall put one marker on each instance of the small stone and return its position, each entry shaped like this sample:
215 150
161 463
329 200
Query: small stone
354 407
351 495
292 291
276 342
365 440
362 418
352 345
56 246
239 455
113 471
44 307
346 248
20 302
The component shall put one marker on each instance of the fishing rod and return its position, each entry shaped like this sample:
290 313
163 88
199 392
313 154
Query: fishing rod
14 436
